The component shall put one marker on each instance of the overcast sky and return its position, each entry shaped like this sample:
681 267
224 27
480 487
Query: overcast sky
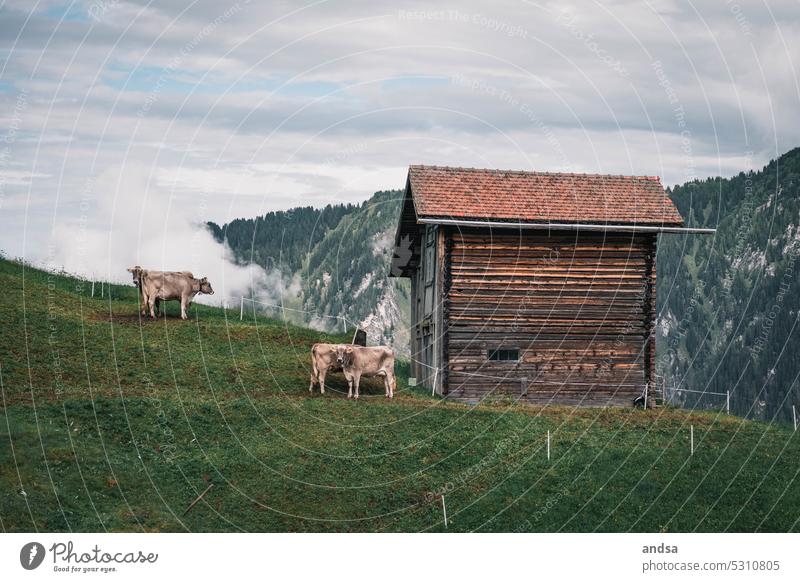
122 124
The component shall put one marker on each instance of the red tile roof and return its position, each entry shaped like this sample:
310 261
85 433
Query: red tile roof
469 193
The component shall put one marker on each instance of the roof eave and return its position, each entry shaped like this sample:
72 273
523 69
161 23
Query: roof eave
675 227
407 193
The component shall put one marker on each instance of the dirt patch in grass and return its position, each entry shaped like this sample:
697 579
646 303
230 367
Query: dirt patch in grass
133 318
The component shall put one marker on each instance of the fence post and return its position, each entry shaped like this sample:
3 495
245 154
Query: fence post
691 438
548 445
241 309
794 417
102 284
444 511
92 287
728 401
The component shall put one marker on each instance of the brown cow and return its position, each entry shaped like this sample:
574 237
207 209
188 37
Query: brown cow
357 361
139 275
167 286
323 360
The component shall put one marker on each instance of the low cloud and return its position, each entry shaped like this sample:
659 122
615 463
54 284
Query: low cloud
127 217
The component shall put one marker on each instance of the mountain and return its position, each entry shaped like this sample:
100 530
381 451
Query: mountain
280 238
347 273
728 303
341 256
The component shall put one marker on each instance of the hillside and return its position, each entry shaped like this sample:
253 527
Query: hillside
728 303
112 423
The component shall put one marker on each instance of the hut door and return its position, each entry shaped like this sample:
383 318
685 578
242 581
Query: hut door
429 306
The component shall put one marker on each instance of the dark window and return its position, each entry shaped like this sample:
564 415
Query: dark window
504 354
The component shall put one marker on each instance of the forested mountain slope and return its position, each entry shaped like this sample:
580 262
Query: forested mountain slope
347 273
280 238
728 303
341 256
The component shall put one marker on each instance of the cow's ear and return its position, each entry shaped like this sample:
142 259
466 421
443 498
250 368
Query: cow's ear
204 280
129 270
349 350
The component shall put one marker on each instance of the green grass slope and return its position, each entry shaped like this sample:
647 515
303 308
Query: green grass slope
112 423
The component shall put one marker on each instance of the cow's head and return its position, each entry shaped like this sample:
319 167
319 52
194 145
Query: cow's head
137 274
205 286
343 354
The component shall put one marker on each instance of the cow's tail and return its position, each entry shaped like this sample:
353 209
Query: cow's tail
314 371
389 364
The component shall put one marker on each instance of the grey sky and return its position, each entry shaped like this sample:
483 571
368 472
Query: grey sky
126 122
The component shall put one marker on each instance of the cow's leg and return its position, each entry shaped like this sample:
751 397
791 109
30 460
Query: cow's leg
387 386
357 380
391 382
151 302
349 385
183 308
145 301
313 378
314 371
321 375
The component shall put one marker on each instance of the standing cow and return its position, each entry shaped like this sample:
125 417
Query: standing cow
357 361
323 360
139 275
167 286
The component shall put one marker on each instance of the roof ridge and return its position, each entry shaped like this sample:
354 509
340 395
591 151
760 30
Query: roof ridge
532 172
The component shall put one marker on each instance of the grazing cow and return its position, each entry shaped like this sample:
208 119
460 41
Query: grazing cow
357 361
323 360
139 275
183 286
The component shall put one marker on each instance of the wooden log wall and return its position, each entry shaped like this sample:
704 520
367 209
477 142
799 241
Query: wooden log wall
580 308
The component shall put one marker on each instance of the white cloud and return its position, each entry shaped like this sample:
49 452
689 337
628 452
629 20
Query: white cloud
275 104
137 222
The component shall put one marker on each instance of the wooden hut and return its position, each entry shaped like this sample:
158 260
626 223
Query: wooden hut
531 285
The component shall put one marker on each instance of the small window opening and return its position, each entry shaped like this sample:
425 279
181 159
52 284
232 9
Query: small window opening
504 354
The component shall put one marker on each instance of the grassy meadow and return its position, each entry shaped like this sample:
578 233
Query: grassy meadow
109 422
